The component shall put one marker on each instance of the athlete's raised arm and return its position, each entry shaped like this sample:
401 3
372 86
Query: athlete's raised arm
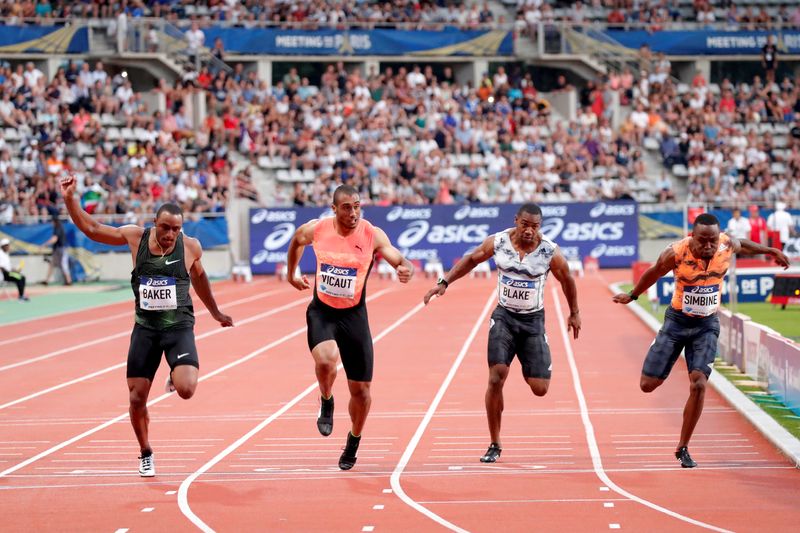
130 234
301 238
463 267
664 264
560 269
747 247
393 256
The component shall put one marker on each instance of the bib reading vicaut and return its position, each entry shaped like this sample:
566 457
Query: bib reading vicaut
343 263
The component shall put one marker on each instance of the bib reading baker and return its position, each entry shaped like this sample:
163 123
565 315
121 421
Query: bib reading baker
157 293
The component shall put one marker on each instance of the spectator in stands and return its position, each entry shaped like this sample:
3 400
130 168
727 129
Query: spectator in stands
781 221
11 274
738 227
769 59
195 37
758 226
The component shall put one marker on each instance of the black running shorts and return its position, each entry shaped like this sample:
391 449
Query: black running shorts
698 335
147 345
350 329
522 335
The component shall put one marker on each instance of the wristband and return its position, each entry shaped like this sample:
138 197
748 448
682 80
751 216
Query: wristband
442 281
632 296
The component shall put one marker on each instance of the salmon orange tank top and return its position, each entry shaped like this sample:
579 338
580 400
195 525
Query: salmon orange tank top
343 263
698 290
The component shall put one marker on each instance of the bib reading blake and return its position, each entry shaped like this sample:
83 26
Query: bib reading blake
158 293
520 280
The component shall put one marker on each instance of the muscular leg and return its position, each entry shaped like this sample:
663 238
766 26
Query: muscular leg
494 399
184 379
538 386
326 357
649 383
360 402
139 389
694 405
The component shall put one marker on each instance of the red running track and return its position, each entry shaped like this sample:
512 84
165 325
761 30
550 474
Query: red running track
244 453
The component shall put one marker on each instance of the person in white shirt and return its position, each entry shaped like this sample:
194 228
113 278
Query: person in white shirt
782 222
738 227
9 273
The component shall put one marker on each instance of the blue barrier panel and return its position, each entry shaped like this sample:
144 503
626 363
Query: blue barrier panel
755 285
604 230
71 39
704 42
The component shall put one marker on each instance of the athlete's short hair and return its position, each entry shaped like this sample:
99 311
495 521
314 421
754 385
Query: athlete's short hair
172 209
343 190
530 208
705 219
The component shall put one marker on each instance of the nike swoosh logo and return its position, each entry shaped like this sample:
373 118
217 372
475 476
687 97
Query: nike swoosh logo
183 355
171 262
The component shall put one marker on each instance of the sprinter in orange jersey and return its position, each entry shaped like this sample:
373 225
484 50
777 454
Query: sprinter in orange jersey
345 245
699 264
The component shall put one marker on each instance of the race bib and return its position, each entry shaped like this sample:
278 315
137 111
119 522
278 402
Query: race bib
518 294
157 293
337 282
701 300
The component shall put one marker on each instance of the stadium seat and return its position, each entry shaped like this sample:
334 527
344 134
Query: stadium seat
680 170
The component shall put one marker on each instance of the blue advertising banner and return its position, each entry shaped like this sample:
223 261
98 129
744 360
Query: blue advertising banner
72 39
755 285
705 42
448 42
604 230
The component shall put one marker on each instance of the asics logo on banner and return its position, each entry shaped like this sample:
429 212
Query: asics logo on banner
336 271
551 228
408 213
612 210
157 282
281 234
441 234
554 210
605 250
265 215
468 211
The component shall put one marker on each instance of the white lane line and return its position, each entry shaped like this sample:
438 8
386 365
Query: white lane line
613 526
608 504
183 491
122 530
101 340
414 442
121 365
594 449
378 507
387 491
148 509
171 492
368 528
161 398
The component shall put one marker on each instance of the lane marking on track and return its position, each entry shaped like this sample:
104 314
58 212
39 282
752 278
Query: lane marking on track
111 337
414 442
591 439
163 397
148 509
121 365
183 491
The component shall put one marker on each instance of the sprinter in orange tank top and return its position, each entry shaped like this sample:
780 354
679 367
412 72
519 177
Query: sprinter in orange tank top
699 264
337 315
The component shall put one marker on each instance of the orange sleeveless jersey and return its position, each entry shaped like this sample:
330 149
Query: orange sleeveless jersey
342 263
698 291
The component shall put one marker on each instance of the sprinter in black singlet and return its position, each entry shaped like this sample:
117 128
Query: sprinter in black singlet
165 262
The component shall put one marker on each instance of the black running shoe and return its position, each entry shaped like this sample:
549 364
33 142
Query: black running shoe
683 456
348 458
325 418
492 453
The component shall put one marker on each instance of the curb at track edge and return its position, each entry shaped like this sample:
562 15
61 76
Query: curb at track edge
764 423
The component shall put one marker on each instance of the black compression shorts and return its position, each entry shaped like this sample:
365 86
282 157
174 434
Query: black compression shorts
698 335
147 345
522 335
350 329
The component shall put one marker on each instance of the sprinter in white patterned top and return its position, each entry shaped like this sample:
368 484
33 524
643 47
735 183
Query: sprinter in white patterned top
524 257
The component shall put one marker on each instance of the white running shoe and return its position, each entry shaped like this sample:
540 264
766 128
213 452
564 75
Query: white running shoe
147 466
